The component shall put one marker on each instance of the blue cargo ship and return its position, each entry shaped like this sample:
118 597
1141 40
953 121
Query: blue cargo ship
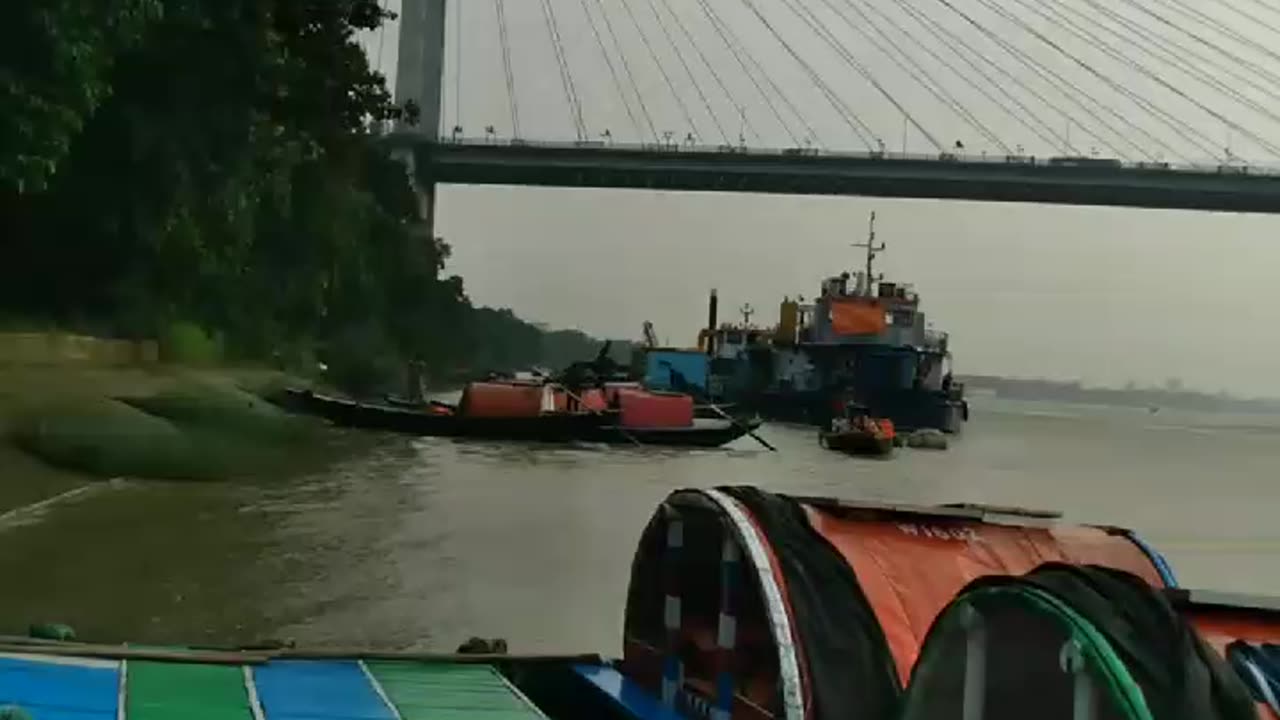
862 339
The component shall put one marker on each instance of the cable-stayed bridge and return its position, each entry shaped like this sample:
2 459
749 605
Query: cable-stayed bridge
1143 103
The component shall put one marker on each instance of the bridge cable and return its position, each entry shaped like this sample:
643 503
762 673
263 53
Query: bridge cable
1267 6
1253 17
746 124
864 132
715 119
1180 49
382 35
1110 50
1053 138
1221 28
736 49
975 85
1159 112
919 74
613 70
1234 57
1183 129
500 6
566 77
841 108
644 38
1069 90
1177 57
626 66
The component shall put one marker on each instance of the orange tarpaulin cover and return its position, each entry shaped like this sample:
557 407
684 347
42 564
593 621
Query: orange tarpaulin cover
857 317
1222 626
911 569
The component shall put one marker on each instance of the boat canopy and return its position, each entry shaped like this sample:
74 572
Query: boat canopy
1070 642
746 604
1246 631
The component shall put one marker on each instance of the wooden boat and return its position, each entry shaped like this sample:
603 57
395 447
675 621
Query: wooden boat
857 442
862 435
747 605
702 411
443 420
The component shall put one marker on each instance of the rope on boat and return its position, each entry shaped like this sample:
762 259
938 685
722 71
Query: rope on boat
583 403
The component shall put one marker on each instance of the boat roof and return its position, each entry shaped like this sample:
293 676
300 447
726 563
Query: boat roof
872 573
121 683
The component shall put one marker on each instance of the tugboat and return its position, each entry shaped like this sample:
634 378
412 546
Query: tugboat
862 337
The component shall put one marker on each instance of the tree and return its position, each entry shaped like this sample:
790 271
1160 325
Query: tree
55 60
211 161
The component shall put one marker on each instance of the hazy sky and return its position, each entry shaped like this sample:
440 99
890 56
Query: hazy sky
1102 295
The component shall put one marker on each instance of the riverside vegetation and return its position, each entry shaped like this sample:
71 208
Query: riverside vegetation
206 172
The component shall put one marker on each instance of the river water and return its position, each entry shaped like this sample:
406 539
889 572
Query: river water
422 542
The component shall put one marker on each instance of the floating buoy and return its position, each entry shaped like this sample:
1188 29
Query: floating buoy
927 439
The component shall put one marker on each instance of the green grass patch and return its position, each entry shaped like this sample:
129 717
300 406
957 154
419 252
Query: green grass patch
185 343
110 439
64 427
206 406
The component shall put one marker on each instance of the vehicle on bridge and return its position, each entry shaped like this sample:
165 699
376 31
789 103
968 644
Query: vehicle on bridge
1084 161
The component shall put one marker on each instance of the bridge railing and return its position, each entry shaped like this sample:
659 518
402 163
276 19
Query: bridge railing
1235 167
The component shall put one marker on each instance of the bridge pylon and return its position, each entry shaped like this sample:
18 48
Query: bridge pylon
420 78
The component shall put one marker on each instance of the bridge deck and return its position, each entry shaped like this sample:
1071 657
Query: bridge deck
798 172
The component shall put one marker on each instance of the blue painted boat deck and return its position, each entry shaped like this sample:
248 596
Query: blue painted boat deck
63 688
60 690
318 690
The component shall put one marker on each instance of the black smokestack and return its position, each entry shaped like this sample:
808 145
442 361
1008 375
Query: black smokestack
711 322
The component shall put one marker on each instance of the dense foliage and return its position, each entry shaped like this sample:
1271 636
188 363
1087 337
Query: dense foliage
209 163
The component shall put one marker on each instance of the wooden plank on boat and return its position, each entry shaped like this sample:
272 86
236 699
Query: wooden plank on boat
163 691
1187 598
959 511
987 509
432 691
338 653
124 652
872 507
318 690
60 690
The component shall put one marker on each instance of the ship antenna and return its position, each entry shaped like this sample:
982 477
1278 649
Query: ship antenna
871 247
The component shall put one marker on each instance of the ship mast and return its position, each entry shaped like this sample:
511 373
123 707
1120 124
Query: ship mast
871 247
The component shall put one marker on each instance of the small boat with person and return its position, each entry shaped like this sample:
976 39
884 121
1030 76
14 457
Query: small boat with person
856 432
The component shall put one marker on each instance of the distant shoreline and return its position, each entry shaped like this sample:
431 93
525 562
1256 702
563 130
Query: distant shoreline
1155 398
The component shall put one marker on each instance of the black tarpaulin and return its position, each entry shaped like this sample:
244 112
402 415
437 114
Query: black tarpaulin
1180 675
851 675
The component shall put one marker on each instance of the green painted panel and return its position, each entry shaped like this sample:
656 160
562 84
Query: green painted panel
169 691
437 691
